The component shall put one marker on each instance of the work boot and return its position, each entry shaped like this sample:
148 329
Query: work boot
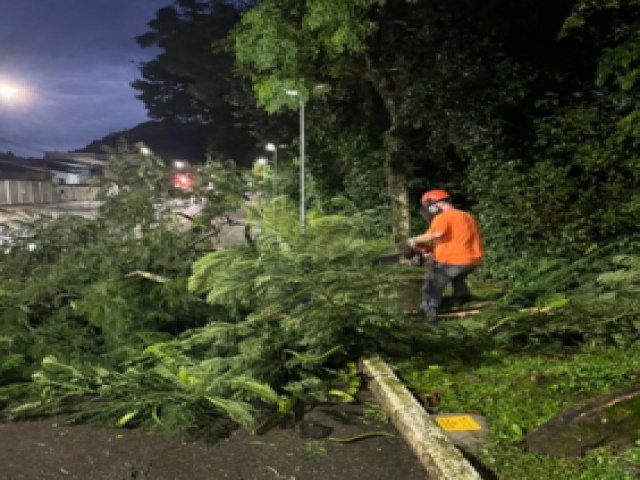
429 312
430 315
460 301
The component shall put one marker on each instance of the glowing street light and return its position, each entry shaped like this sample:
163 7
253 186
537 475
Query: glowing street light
146 151
272 147
260 167
10 92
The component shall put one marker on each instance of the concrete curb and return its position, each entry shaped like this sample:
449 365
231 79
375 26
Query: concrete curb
440 458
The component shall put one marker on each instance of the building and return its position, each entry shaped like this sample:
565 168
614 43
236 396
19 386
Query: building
57 177
74 168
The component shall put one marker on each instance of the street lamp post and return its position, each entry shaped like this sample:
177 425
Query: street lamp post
296 93
272 147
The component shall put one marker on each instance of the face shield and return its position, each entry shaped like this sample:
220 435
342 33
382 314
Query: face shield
424 213
428 211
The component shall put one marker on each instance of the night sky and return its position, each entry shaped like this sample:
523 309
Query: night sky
74 61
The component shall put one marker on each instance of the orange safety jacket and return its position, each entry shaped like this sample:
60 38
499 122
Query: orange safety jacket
461 241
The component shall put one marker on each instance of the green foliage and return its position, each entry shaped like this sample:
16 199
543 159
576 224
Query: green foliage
553 302
132 346
162 392
420 102
526 111
305 301
568 181
81 298
276 43
518 393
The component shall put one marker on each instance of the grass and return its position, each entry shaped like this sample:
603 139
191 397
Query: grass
517 393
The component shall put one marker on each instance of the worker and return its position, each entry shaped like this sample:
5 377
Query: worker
457 250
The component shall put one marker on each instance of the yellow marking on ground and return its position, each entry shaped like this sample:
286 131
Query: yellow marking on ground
458 423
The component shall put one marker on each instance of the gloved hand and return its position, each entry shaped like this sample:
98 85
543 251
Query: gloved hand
411 242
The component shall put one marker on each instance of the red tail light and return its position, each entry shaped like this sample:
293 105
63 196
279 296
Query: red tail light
182 180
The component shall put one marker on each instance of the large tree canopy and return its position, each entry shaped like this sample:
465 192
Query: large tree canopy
443 72
191 79
527 111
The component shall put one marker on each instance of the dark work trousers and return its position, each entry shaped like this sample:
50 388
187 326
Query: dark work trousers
436 279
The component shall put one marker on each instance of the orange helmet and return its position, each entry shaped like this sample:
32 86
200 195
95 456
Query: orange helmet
433 196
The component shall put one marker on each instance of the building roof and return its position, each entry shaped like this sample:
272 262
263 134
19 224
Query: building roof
12 167
84 159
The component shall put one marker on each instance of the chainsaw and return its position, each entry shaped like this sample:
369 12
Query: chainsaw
417 255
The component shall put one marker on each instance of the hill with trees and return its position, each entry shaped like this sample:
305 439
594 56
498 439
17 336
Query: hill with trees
169 140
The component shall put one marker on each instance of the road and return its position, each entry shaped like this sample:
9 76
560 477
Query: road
231 226
87 209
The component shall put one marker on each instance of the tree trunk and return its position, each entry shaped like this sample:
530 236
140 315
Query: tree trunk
397 185
389 90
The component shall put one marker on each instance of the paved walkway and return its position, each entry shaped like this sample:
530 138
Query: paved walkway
87 209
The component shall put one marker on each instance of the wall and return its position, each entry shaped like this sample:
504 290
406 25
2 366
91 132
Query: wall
14 192
17 192
76 193
68 178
